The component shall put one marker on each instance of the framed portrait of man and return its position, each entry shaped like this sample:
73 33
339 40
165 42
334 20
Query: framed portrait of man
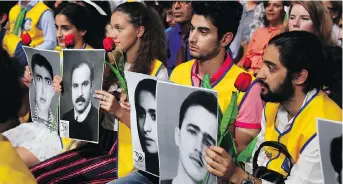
79 110
44 65
187 124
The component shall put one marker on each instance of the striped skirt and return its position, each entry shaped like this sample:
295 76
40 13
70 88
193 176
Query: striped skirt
91 163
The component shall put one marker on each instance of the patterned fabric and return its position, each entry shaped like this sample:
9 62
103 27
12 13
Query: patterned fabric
36 138
91 163
50 124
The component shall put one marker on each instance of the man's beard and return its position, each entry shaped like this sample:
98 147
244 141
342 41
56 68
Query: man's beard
283 92
204 57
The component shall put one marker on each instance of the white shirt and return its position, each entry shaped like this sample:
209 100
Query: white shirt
81 117
36 138
308 168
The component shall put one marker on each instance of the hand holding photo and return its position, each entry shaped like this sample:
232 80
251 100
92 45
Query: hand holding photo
187 124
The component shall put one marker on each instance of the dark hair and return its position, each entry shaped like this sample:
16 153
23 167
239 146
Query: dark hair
336 156
5 7
77 65
166 4
40 60
82 19
11 93
148 85
303 50
204 99
225 15
337 7
265 4
153 41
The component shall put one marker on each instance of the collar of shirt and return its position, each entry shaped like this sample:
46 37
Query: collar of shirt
83 116
29 5
35 118
282 116
274 29
197 78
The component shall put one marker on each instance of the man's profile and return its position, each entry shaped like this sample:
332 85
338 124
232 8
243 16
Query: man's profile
145 103
196 131
42 73
83 118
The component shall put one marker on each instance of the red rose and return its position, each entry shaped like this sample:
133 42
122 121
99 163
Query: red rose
26 39
69 41
108 44
243 81
247 63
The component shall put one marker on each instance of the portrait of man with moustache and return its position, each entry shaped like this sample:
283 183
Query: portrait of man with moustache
196 130
83 117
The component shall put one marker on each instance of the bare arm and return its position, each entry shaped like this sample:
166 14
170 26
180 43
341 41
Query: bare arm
28 158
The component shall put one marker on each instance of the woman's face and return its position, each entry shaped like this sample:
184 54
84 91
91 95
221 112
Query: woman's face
146 121
124 34
274 11
300 19
64 27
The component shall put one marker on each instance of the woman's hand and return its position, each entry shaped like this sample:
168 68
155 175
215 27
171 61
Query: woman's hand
27 78
57 84
123 102
108 102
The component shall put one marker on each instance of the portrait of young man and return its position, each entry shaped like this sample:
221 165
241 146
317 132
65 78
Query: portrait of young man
42 73
197 130
83 117
145 104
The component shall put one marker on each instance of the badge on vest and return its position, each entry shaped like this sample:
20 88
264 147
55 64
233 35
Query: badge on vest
27 25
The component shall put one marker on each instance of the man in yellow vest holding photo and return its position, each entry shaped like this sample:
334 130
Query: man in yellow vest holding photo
36 19
293 73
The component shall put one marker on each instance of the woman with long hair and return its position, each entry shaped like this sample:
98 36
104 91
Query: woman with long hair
273 20
136 31
311 16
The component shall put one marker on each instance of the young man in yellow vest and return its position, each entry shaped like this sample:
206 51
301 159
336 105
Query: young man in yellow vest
12 168
35 18
293 72
209 37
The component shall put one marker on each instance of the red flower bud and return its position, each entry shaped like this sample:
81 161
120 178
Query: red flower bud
247 63
69 41
26 39
243 81
108 44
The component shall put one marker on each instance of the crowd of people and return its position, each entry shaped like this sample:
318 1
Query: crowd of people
291 49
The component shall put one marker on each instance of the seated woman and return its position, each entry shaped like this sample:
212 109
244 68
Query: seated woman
312 16
273 20
134 28
12 168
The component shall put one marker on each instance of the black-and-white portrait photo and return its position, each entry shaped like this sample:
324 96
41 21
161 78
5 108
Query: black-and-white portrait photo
331 153
142 97
44 65
79 110
187 124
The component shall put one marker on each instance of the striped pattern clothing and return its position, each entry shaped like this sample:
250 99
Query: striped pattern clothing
91 163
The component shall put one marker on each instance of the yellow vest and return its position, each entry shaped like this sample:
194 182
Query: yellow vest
301 132
12 168
10 42
125 156
224 87
32 15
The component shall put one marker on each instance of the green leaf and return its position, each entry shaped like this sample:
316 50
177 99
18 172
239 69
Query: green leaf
230 114
206 82
119 76
246 154
121 63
